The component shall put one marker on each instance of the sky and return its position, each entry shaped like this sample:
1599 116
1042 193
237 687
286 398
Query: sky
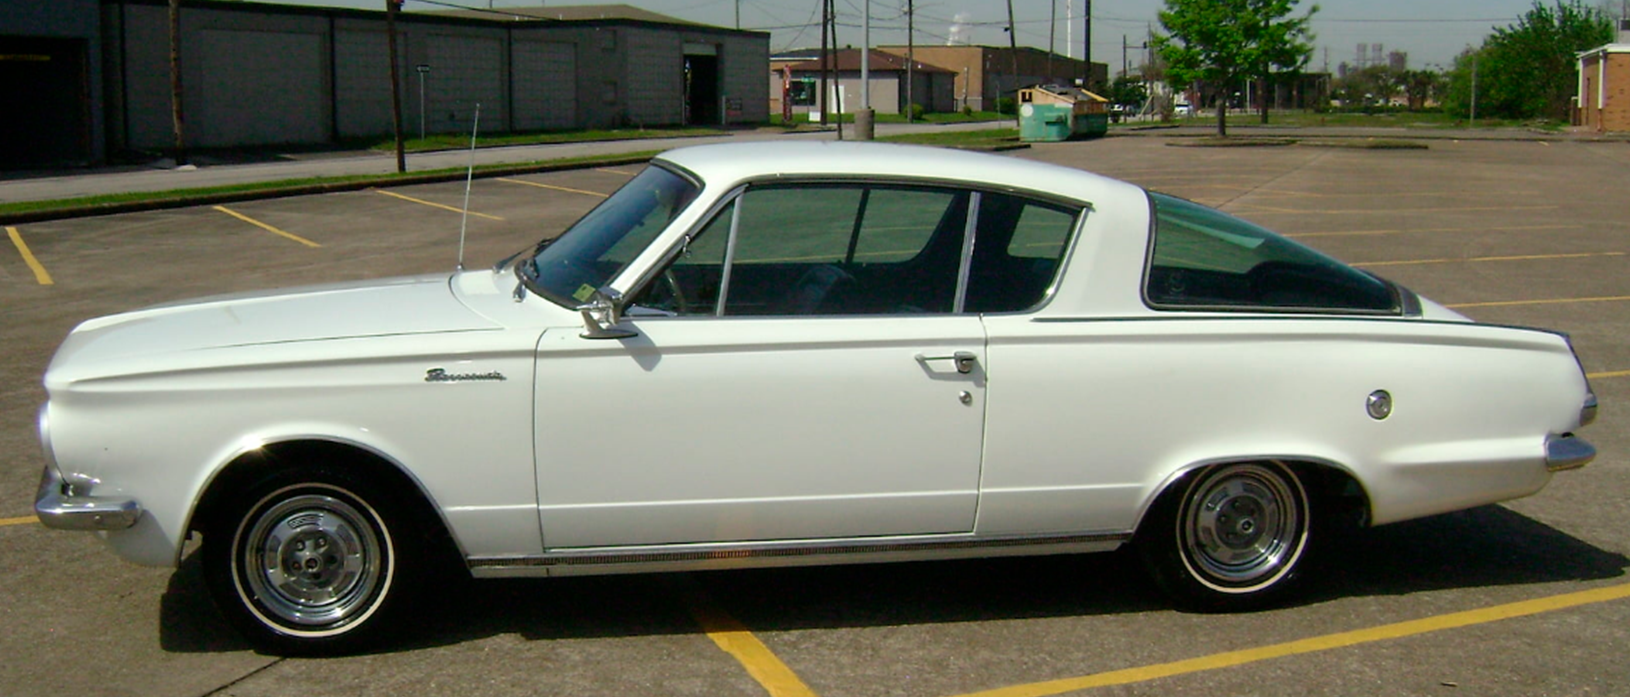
1431 32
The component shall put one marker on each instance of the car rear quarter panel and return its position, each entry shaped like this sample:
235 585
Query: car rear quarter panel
1089 417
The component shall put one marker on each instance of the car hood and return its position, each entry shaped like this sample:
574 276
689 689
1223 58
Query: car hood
389 307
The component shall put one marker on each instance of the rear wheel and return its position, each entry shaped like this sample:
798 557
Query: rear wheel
1232 537
310 561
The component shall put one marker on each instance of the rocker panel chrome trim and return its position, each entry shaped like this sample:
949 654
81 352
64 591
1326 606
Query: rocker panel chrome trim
611 560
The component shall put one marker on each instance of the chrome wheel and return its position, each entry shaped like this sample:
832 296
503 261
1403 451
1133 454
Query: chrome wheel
1229 537
312 560
1242 527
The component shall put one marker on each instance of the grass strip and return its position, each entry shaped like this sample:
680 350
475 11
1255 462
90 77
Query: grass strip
991 138
108 204
456 141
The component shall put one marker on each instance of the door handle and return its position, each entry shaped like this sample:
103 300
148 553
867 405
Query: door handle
965 360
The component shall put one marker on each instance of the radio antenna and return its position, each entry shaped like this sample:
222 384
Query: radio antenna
469 174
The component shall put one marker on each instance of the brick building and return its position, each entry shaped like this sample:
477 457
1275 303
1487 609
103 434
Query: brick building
801 71
1603 103
984 74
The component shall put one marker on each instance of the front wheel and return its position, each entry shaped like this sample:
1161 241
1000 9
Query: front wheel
1232 537
309 562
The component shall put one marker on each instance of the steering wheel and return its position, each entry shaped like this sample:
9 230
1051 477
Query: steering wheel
667 284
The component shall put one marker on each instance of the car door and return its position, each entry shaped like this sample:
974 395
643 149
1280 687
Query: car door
800 369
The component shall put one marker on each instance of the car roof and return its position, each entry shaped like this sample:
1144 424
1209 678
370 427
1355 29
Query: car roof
730 163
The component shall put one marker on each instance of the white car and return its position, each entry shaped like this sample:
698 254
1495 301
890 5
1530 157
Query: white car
799 353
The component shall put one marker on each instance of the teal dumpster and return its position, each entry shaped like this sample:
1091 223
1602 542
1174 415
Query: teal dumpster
1051 113
1045 123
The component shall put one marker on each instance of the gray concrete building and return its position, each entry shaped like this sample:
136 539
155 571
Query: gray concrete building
252 74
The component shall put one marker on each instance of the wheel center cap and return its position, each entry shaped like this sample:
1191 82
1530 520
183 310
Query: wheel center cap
309 557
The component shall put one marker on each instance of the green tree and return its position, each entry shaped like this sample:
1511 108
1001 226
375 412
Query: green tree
1366 88
1225 42
1421 86
1128 90
1529 69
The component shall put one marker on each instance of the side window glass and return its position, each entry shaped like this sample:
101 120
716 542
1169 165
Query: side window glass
836 249
690 284
1206 259
1018 246
899 223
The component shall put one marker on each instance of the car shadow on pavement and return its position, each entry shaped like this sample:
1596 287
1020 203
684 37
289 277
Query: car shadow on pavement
188 622
1488 546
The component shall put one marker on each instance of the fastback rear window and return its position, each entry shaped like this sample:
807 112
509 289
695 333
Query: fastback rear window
1204 259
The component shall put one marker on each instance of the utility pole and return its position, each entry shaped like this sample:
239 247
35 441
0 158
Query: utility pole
1052 37
1069 29
825 23
1474 92
837 74
177 116
391 8
1013 50
911 59
866 56
1086 44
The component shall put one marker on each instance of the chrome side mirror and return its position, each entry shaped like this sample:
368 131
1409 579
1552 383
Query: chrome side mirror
601 314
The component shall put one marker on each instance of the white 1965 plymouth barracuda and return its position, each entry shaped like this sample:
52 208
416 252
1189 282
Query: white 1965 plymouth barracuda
799 353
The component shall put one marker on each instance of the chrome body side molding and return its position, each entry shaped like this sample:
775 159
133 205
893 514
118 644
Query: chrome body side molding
618 560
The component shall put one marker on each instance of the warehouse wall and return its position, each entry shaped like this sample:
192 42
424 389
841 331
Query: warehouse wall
545 84
257 75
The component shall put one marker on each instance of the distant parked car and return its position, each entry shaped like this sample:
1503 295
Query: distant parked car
794 353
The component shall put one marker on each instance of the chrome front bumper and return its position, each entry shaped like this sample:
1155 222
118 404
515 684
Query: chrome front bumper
1566 452
61 504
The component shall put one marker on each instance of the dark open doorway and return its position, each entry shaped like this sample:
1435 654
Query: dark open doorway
47 116
701 90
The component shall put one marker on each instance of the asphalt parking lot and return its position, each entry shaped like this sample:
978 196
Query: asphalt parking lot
1526 598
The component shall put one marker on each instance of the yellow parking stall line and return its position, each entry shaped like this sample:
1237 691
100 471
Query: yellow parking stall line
435 205
551 186
1389 194
1327 642
1253 208
1543 301
608 170
1474 260
266 227
1609 374
34 265
25 520
733 638
1400 231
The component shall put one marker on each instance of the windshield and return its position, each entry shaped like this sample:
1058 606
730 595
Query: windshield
599 245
